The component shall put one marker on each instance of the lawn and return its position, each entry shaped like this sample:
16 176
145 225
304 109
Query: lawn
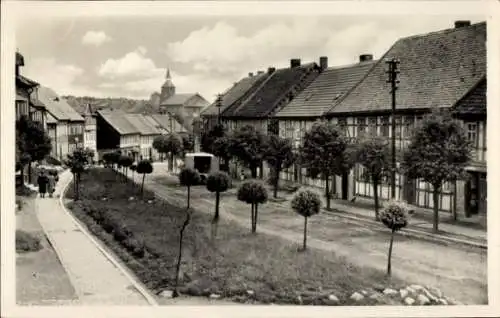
231 266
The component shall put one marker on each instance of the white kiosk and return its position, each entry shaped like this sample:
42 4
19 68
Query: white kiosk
205 163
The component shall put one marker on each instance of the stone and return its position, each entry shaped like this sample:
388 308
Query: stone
299 299
250 292
214 296
411 290
429 295
167 294
436 291
409 301
150 201
131 199
423 300
390 292
104 199
375 296
333 298
416 287
357 296
364 292
443 301
403 293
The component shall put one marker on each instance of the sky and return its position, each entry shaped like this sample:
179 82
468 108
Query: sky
119 56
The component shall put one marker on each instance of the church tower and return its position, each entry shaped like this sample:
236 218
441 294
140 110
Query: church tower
168 88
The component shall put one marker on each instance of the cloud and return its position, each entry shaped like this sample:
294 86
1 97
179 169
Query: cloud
132 65
95 38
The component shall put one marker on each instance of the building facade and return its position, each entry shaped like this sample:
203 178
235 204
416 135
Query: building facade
90 130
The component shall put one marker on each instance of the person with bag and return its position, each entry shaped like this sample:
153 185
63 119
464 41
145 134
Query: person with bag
42 183
51 185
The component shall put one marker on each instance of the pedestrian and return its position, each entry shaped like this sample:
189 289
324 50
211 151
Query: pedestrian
51 185
42 183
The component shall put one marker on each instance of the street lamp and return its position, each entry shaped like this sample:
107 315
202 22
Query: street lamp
218 103
393 73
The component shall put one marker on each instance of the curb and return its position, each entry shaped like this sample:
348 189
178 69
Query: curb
137 285
411 232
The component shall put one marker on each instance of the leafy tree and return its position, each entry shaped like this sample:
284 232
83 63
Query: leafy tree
325 152
222 148
279 154
395 217
248 146
306 203
159 143
217 182
125 162
208 138
77 161
144 167
375 156
188 178
254 193
32 142
173 146
438 153
187 143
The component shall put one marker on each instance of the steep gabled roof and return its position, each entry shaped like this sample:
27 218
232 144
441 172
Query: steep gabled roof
23 80
271 92
474 102
119 122
143 125
177 99
153 122
326 90
234 93
57 105
168 122
436 70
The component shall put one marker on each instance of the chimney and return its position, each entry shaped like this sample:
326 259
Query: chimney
294 63
462 23
323 63
365 58
250 74
271 70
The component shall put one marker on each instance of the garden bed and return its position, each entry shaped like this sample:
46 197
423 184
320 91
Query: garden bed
238 265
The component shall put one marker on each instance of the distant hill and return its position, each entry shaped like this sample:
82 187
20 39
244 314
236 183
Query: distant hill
124 104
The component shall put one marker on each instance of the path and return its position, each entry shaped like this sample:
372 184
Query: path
96 278
459 271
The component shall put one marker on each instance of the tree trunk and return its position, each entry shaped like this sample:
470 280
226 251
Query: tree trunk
305 234
276 181
22 175
252 217
435 198
390 253
327 191
254 172
179 258
142 185
375 196
171 163
216 216
189 195
254 229
29 172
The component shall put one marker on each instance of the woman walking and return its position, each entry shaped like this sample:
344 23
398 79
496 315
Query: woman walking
51 184
42 184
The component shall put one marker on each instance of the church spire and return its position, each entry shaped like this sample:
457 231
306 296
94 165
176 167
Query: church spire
168 74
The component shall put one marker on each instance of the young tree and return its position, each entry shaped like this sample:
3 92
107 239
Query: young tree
144 167
306 203
279 154
375 156
217 182
222 149
395 217
248 146
173 146
125 162
77 161
133 168
33 142
188 178
326 152
439 151
254 193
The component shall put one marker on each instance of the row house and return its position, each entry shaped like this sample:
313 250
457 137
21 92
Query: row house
90 130
437 70
279 88
65 126
211 115
326 91
27 102
148 133
115 132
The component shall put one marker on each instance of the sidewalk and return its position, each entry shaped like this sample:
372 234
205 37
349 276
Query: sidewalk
96 276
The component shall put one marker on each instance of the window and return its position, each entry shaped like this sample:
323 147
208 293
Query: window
472 133
408 126
361 126
385 126
343 124
372 126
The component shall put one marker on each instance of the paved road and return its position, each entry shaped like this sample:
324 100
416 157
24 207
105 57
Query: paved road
460 272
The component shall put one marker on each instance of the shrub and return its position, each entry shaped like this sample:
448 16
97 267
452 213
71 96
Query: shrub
306 203
26 242
108 224
121 233
254 193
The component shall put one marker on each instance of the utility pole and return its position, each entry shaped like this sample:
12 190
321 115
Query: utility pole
393 74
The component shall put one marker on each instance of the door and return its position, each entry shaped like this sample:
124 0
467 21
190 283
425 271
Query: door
482 194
